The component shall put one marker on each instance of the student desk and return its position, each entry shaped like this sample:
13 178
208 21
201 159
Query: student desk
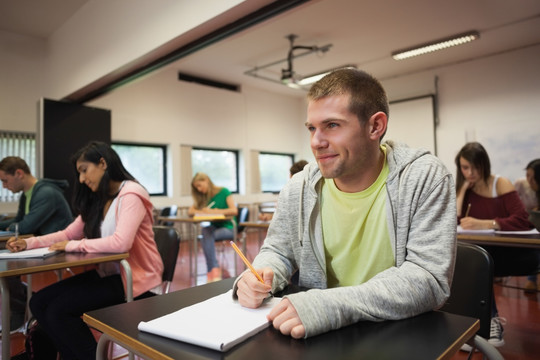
433 335
196 226
515 240
62 260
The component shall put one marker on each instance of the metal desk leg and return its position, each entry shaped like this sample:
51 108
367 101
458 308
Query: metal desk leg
129 280
28 296
6 310
196 228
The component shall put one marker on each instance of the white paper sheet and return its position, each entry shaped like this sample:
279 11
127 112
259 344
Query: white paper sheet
460 230
524 232
218 323
33 253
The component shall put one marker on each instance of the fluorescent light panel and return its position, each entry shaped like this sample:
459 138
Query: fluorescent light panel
436 45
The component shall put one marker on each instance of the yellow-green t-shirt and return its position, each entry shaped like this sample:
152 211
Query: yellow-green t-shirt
356 240
28 195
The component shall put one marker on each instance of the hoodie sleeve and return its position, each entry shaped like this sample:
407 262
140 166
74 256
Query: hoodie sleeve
130 213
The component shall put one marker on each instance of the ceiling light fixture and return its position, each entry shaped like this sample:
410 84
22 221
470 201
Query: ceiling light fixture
436 45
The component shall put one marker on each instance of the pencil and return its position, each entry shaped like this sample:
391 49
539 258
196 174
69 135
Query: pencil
468 208
246 261
211 204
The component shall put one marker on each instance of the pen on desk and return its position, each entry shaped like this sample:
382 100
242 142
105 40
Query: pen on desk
246 261
211 204
468 209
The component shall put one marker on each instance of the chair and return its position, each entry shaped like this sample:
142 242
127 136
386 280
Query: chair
168 211
168 243
472 294
239 233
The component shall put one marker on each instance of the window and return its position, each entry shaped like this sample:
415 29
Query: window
274 169
220 165
18 144
147 163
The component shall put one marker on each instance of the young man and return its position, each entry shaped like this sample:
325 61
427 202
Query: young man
371 229
42 210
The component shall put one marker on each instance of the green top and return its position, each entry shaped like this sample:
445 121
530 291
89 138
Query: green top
220 202
356 240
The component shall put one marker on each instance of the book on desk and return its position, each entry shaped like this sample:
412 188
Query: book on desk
218 323
202 216
28 254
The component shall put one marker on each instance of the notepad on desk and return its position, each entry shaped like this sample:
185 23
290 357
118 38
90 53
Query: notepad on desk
218 323
202 216
460 230
27 254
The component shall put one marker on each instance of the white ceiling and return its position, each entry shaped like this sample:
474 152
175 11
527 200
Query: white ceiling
363 33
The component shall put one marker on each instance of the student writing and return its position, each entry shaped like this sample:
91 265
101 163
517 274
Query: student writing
115 216
370 227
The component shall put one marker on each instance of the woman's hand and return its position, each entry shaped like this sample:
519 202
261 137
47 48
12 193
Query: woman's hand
59 246
470 223
16 245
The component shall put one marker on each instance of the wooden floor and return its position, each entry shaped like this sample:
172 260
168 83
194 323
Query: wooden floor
522 311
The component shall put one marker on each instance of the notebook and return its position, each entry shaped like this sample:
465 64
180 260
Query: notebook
201 216
218 323
25 254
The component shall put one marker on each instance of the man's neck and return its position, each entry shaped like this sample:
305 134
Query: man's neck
29 182
368 177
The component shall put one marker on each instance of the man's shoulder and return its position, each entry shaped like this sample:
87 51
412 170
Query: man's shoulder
51 184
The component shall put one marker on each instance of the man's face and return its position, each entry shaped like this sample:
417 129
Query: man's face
338 139
12 182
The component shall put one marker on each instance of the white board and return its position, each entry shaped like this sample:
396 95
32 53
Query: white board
413 123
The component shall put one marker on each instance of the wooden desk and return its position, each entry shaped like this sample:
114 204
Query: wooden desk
196 225
14 267
433 335
515 240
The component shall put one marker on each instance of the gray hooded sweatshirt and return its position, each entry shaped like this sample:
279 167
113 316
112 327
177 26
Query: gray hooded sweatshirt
421 218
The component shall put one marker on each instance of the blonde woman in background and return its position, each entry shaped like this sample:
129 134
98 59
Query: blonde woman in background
211 199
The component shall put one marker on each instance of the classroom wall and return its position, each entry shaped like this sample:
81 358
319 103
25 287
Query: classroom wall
163 110
493 100
22 66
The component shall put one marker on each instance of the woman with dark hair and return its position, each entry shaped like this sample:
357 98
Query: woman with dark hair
211 199
533 179
486 201
114 216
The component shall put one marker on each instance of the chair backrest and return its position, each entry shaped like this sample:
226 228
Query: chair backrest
472 286
168 211
243 216
168 243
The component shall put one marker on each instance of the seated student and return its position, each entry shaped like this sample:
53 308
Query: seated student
115 217
211 199
487 201
370 226
42 209
295 168
530 196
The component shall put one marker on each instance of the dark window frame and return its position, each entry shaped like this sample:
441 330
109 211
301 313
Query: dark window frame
163 148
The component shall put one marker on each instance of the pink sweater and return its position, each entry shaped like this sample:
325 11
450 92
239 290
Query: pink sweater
133 234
